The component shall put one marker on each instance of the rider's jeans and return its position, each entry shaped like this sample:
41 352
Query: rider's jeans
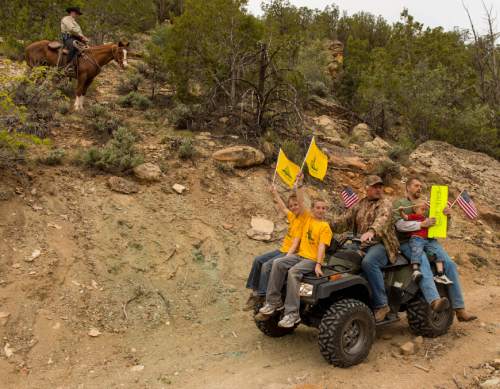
257 280
451 271
427 285
372 264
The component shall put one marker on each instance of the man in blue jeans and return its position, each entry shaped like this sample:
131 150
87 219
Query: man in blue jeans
427 285
371 218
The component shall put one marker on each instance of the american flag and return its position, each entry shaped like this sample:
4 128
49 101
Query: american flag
349 197
467 205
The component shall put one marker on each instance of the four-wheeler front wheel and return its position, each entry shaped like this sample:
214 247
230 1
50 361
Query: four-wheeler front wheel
270 327
346 333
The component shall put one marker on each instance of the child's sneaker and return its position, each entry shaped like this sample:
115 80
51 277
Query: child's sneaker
269 309
289 320
442 279
416 276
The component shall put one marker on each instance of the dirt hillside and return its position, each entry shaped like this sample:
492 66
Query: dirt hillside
100 289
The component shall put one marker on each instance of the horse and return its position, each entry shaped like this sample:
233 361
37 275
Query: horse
89 66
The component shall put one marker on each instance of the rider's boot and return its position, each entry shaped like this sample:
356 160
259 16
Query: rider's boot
381 313
463 315
440 304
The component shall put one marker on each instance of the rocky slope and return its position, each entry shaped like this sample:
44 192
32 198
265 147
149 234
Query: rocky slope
99 288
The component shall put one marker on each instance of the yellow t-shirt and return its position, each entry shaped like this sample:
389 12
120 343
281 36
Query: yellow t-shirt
295 224
314 232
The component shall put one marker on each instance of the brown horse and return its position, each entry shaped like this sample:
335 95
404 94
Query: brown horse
89 63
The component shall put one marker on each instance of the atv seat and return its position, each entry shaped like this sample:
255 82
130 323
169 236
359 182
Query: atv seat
401 260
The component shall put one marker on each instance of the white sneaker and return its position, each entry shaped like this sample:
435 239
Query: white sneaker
442 279
268 309
289 320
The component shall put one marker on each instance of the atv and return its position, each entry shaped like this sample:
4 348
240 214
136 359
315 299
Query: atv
338 304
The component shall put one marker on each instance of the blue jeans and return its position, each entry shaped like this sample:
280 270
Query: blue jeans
419 245
257 280
451 271
372 264
427 285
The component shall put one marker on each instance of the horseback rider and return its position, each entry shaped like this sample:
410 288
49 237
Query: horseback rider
71 31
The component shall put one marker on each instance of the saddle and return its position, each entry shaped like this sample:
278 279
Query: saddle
62 52
56 45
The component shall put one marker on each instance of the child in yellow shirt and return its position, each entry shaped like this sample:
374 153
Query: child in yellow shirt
261 267
315 237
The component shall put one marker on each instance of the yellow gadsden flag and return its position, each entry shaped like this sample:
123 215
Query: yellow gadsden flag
317 161
286 169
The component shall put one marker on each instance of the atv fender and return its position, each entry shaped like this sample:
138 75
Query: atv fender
347 283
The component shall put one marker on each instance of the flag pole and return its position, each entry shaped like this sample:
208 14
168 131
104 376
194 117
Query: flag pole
276 167
457 198
304 162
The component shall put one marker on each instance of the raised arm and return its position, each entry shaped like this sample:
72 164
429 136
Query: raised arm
281 204
299 190
343 222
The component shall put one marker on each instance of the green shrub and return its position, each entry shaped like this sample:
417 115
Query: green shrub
118 155
224 167
186 149
318 88
96 111
64 107
142 69
293 151
387 170
182 116
12 49
105 125
135 100
100 119
65 86
55 157
130 83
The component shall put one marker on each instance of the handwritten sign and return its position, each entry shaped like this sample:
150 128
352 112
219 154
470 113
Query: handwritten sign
439 201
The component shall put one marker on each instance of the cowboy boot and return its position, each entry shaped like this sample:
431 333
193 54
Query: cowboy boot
463 315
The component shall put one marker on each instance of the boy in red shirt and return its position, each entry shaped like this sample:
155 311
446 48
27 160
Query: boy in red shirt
420 242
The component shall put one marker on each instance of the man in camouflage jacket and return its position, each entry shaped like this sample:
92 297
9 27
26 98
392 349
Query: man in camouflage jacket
371 218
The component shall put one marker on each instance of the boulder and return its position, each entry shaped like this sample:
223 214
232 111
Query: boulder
491 383
148 172
377 146
121 185
328 130
179 188
240 156
362 133
268 149
408 348
349 162
262 229
495 363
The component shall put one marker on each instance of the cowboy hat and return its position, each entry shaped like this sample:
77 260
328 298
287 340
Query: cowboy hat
74 9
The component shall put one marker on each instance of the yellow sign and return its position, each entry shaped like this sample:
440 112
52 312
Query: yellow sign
439 201
286 169
317 161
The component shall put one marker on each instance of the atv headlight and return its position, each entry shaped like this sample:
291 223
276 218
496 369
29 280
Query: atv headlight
306 290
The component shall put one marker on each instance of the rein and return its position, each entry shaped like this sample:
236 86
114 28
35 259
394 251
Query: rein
90 58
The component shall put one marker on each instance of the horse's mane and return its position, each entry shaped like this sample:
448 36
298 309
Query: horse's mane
100 47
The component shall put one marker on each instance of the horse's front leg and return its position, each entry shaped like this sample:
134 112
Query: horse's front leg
80 91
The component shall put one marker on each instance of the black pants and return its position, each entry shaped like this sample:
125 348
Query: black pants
68 43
